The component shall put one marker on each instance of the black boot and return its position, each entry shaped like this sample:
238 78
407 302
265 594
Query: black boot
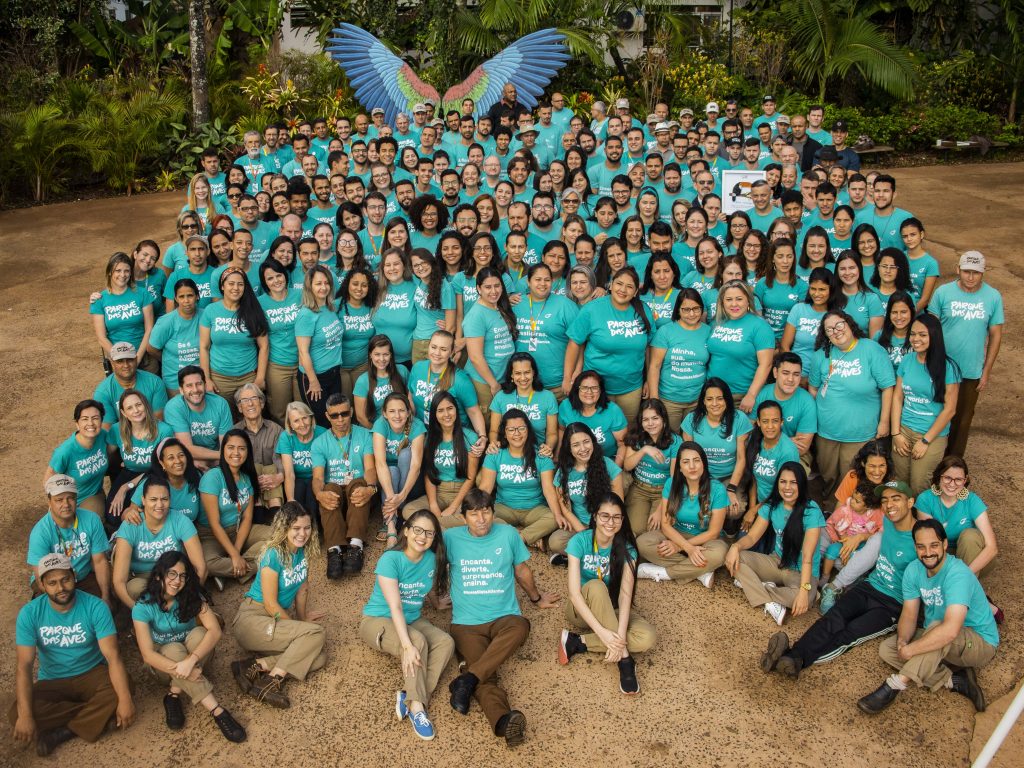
965 682
48 741
875 702
462 688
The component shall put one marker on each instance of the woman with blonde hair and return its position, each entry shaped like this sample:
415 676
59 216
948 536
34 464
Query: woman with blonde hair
200 200
294 446
318 335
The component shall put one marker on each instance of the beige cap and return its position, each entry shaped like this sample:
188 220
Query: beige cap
55 561
973 261
123 350
58 484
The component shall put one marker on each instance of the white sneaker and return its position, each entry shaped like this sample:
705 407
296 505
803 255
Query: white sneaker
767 584
736 583
707 579
652 572
776 611
219 583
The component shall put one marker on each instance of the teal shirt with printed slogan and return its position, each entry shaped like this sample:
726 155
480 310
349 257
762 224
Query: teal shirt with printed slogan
423 386
661 306
213 483
381 387
577 488
202 281
655 473
921 268
966 319
301 453
427 318
147 546
515 485
164 625
863 307
205 427
954 584
777 517
894 349
544 333
896 553
603 423
920 409
960 517
734 345
769 461
109 392
444 457
324 331
721 449
66 643
594 561
233 352
887 227
777 301
153 283
342 458
537 406
688 516
488 324
290 578
615 340
177 340
415 580
393 441
685 366
395 317
80 542
357 331
805 320
122 314
88 466
799 413
281 319
138 455
483 584
184 500
849 386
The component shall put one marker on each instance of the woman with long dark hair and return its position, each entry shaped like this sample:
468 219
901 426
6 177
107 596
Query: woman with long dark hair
281 305
434 302
894 337
543 319
318 337
522 389
490 331
393 313
356 297
382 377
780 289
588 403
862 304
816 251
173 463
679 358
651 447
892 274
767 449
602 577
800 332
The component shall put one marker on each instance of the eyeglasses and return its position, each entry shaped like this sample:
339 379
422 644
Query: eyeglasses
606 518
417 531
543 207
348 243
175 576
514 430
690 310
837 328
592 388
235 196
248 209
339 415
953 480
248 400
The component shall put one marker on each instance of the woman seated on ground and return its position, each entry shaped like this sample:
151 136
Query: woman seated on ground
651 446
274 618
693 511
602 575
177 632
398 454
587 402
787 579
583 476
83 456
294 446
393 619
138 546
522 481
136 435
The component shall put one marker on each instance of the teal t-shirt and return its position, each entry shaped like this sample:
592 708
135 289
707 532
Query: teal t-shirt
213 483
594 561
720 449
301 453
616 341
661 306
138 455
603 423
966 319
80 542
687 517
896 553
863 307
289 578
324 331
577 488
392 439
483 585
122 314
954 584
515 485
423 386
921 268
685 366
357 330
415 580
778 516
537 406
777 302
88 466
202 281
488 324
799 413
109 392
395 317
426 318
148 546
920 409
342 458
769 461
656 473
281 318
850 385
805 320
233 352
164 626
153 283
734 345
205 427
444 457
67 644
544 333
178 342
956 519
381 388
894 349
184 500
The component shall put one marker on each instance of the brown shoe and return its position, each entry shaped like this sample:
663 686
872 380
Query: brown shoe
270 690
241 670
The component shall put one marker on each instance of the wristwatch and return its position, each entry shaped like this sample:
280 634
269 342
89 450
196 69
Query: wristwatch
806 586
926 441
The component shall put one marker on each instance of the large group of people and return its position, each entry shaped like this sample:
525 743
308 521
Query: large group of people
471 337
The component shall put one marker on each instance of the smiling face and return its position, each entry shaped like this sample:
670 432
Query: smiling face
133 409
235 452
299 531
89 422
516 433
714 403
490 290
397 414
838 331
931 550
300 423
380 357
789 489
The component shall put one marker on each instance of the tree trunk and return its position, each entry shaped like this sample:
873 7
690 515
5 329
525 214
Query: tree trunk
197 45
1012 116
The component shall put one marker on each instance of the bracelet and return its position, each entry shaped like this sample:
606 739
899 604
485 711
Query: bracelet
731 488
539 596
926 441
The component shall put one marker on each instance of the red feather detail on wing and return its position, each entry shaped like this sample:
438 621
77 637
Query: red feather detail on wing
422 89
463 89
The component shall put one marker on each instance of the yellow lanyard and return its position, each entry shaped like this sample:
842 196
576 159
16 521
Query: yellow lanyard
68 545
533 321
442 373
597 560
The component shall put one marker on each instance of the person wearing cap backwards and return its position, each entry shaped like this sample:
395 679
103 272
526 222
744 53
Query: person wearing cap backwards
768 115
959 629
971 313
82 681
124 361
848 159
74 532
865 611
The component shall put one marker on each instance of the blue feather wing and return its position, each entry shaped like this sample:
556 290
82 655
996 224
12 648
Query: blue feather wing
530 64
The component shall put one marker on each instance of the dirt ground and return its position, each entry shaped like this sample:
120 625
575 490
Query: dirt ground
704 701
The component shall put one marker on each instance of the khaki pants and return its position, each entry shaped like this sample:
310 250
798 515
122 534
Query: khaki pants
295 646
419 349
282 388
483 397
642 500
485 647
228 385
677 412
639 634
559 540
348 521
83 704
969 545
755 569
679 566
435 647
960 426
196 690
446 493
917 473
136 586
217 561
349 376
968 649
536 523
834 460
629 402
267 498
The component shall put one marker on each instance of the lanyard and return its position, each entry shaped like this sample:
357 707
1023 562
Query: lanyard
528 400
533 321
68 544
597 559
442 373
345 449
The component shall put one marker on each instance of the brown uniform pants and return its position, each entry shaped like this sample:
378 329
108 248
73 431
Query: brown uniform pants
485 647
348 520
295 646
83 704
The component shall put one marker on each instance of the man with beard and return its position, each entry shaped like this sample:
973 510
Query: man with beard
82 681
519 221
199 418
518 174
254 162
601 175
543 212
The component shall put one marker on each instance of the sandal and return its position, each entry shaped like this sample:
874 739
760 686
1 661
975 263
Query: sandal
382 533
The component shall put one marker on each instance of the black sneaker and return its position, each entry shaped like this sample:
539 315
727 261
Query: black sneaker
875 702
245 671
778 644
789 666
335 567
514 728
965 682
628 683
570 644
230 727
174 712
559 560
462 688
351 560
47 741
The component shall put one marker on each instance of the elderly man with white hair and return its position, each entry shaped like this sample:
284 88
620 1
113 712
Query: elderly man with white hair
264 434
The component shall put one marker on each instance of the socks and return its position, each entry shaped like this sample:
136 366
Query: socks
356 543
894 682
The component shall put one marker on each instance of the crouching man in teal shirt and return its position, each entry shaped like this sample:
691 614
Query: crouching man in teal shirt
82 682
